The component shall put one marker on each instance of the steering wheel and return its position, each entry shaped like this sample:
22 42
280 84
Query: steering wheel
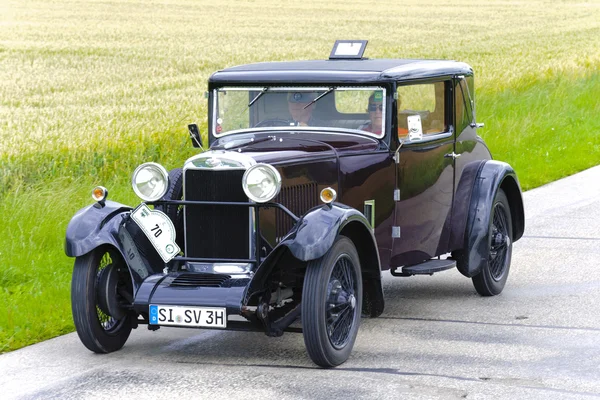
273 122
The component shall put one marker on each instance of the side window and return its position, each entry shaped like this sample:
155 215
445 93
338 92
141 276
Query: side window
461 100
426 100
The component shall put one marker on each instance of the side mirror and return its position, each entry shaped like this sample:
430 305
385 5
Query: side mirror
195 135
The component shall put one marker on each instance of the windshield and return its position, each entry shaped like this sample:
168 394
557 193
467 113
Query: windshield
359 109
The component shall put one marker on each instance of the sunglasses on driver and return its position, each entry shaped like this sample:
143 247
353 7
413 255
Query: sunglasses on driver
375 107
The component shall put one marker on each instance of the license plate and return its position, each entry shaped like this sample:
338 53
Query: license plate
208 317
159 229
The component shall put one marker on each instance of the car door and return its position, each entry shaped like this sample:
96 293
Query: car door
424 171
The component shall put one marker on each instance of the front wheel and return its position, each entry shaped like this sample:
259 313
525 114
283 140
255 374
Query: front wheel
331 304
101 285
492 278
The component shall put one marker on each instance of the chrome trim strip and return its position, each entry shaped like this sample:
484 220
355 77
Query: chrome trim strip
431 137
219 160
253 228
320 129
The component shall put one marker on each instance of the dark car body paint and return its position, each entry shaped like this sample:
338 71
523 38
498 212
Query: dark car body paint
473 154
337 71
316 231
425 177
491 176
157 289
93 226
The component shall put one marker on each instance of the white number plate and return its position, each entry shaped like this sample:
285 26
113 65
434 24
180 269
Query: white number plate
188 316
159 229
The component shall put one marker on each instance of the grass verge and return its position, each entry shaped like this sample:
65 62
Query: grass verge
546 131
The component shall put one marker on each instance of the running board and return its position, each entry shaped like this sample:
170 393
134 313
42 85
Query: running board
426 268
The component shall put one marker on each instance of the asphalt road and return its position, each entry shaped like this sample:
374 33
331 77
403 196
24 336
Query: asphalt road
436 339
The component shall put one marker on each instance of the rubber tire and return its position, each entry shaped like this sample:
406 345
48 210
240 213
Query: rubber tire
175 214
83 304
484 283
314 292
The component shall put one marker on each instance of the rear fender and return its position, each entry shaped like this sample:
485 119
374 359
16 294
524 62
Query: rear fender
491 176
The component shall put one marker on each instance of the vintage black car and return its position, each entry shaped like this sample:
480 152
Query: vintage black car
320 176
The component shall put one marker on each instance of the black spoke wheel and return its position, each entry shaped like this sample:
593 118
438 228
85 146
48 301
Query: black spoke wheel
101 285
491 280
331 304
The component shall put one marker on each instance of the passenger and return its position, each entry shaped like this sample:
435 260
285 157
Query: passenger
375 109
301 114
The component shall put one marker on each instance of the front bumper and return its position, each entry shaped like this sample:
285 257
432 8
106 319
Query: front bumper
192 289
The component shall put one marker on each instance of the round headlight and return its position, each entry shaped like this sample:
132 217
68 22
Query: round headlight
150 181
261 183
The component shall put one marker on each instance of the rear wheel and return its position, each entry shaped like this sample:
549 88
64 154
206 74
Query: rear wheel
101 285
331 304
492 278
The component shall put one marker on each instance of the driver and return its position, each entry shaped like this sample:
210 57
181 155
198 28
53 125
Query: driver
375 109
301 114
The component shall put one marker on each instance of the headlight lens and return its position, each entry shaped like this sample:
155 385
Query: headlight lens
328 195
99 193
150 181
261 183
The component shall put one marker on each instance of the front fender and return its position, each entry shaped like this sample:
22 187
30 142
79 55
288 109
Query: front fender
492 175
94 226
316 231
314 234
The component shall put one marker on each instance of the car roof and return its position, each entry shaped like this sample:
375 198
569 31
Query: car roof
339 71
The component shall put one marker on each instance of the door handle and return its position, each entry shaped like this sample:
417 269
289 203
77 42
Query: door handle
453 155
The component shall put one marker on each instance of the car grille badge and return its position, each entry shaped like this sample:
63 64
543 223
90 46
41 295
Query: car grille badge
213 162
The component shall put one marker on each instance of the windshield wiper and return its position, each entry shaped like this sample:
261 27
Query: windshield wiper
331 89
265 90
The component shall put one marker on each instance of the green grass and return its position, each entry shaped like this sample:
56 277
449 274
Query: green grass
545 131
91 88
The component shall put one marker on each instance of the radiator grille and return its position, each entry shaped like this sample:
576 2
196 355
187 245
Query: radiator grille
216 231
204 280
298 199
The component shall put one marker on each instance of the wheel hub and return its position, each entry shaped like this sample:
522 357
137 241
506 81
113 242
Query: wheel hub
106 292
499 239
352 301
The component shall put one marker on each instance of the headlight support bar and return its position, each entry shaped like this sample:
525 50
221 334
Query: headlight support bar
228 203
